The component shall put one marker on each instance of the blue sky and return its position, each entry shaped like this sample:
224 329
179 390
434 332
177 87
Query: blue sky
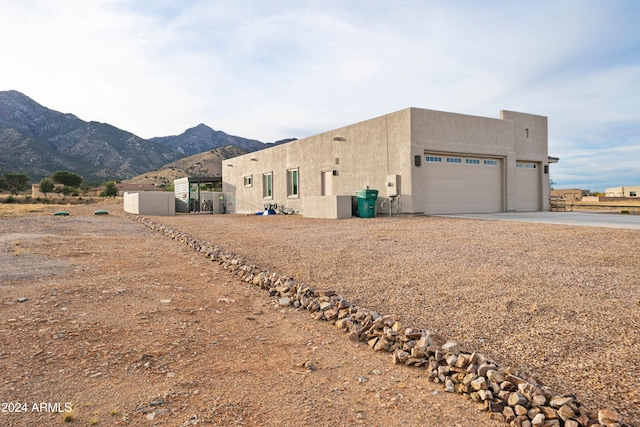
270 70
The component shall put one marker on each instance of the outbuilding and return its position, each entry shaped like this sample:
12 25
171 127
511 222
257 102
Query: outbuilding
419 160
195 194
159 203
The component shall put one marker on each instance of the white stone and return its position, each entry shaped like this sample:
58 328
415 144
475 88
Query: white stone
451 347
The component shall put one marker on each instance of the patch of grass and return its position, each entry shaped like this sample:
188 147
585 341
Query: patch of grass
17 250
19 210
67 417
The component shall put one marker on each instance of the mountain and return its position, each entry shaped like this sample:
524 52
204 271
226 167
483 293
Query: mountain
202 138
208 163
38 141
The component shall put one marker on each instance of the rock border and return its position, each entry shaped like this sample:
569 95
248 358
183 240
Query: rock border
503 392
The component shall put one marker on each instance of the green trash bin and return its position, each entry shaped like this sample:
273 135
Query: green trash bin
367 203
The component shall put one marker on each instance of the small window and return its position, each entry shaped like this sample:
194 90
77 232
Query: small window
472 161
455 160
248 181
526 133
632 194
433 159
292 183
519 165
490 163
530 166
267 185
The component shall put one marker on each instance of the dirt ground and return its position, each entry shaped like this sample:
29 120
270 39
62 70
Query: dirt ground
104 322
559 303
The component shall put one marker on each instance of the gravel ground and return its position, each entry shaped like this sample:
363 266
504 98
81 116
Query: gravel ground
130 328
15 243
560 303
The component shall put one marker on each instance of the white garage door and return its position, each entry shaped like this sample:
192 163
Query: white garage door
528 196
463 184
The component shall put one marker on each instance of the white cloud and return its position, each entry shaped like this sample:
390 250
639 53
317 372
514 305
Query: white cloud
271 70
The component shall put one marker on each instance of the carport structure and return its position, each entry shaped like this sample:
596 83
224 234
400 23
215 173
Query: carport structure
196 194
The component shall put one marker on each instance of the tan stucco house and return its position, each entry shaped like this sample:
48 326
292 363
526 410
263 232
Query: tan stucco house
35 191
626 191
570 194
423 161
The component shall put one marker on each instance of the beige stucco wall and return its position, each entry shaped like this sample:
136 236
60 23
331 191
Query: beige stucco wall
150 203
506 138
327 207
530 145
622 191
361 155
366 154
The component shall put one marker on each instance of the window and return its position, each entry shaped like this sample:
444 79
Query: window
248 181
292 183
491 163
526 132
472 161
455 160
530 165
433 159
267 185
519 165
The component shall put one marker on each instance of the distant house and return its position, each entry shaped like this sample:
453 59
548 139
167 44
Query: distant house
570 194
627 191
420 161
35 191
122 188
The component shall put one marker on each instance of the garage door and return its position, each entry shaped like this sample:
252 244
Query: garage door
527 187
463 184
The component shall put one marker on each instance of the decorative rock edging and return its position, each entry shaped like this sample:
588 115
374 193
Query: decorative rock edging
503 392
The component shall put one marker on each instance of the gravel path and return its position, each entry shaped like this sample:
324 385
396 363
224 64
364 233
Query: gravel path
560 303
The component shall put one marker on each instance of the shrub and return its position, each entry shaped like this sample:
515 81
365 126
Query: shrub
110 190
67 417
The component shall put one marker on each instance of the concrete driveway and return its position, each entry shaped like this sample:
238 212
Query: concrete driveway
588 219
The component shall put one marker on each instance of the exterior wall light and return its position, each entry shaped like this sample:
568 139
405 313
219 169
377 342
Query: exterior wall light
253 159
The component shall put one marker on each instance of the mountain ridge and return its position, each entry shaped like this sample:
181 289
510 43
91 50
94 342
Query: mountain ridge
208 163
39 141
